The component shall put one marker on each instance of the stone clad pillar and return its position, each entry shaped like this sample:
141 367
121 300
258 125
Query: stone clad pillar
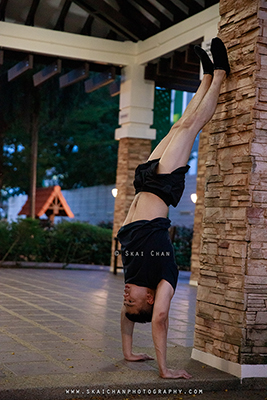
134 135
231 312
199 209
201 178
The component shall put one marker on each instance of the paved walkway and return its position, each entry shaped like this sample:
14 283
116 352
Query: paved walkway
60 339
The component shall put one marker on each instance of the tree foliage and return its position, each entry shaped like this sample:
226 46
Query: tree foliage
76 134
85 152
162 120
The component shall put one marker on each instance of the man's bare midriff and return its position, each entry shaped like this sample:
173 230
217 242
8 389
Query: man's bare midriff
146 206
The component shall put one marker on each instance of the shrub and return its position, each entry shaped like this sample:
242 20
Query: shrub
25 241
76 242
107 225
67 242
182 247
5 239
72 242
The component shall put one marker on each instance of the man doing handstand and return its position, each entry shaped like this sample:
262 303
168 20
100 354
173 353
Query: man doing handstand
149 266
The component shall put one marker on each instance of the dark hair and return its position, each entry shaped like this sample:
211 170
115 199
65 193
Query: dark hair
141 317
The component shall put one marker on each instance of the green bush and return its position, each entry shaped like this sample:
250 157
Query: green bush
66 242
21 241
5 239
182 247
76 242
72 242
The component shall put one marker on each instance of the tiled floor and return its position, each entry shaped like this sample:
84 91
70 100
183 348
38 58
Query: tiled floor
66 322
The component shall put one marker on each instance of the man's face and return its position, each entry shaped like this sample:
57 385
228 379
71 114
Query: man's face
136 298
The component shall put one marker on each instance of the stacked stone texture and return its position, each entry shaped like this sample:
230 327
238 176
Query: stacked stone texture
199 209
132 152
231 314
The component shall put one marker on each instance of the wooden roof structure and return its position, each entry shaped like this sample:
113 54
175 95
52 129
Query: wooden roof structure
49 201
118 22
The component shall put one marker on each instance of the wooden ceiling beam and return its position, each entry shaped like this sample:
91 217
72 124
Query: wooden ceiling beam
20 68
100 80
111 17
146 27
164 69
190 56
87 28
193 5
114 88
3 5
165 22
111 35
178 84
178 13
60 25
31 15
179 62
164 77
47 73
74 76
209 3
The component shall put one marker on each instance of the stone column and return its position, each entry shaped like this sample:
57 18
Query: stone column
201 179
199 209
134 135
231 312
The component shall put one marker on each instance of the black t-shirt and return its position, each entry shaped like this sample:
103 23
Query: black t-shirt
147 253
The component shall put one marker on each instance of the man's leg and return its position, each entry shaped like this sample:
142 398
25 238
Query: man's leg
174 151
149 206
208 69
178 150
193 111
190 109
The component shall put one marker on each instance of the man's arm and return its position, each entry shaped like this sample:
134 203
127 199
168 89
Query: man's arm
127 328
160 323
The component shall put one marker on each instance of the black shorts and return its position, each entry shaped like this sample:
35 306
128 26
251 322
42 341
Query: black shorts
168 187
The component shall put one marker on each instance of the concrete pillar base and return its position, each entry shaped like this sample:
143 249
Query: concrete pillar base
193 282
239 370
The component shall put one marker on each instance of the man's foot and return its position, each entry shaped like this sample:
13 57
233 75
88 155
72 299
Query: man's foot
206 62
219 55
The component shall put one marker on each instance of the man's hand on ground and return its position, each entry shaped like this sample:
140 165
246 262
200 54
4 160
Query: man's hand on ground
174 374
139 357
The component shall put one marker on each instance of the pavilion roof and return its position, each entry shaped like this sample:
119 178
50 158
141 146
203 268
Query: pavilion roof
112 19
48 201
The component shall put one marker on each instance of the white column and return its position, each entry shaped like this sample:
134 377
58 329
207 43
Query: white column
136 104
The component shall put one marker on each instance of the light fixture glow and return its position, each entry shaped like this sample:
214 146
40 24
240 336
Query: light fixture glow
114 192
194 197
